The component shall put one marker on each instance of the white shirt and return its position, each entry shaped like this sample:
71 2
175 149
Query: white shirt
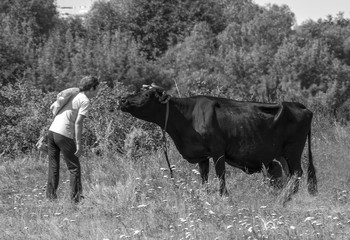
64 122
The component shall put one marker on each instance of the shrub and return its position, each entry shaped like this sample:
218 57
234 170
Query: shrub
111 128
24 111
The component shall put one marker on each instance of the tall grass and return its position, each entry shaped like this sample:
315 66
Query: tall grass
134 198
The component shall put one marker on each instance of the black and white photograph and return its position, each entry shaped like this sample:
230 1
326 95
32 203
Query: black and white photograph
174 120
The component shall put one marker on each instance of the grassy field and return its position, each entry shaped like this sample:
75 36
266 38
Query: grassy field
136 199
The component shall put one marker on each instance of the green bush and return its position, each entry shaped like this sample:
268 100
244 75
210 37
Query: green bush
24 111
115 130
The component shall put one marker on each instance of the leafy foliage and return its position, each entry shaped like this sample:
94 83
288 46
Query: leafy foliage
229 48
24 111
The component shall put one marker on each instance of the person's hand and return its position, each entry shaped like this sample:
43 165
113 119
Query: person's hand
79 150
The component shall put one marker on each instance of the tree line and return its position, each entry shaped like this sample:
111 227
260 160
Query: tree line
231 48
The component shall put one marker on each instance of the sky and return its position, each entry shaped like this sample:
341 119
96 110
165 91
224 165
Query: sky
74 2
79 6
312 9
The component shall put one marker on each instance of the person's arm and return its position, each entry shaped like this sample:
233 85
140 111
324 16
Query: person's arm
78 133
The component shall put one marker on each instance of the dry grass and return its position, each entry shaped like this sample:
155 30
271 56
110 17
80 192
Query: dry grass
136 199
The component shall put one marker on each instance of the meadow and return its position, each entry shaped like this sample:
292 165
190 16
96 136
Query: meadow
234 49
135 198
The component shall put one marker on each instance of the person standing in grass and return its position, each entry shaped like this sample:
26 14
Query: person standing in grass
65 137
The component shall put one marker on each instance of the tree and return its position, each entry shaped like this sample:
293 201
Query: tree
193 64
24 26
333 31
155 24
11 63
248 46
38 16
105 16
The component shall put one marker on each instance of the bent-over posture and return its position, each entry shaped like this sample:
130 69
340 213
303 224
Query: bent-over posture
65 137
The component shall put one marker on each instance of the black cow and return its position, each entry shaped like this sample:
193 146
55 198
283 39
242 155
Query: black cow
246 135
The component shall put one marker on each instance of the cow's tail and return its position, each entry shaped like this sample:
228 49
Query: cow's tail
311 172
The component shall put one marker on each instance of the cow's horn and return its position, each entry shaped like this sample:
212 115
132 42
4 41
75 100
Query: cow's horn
145 86
156 87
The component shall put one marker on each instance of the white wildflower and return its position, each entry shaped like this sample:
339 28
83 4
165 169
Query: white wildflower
195 171
229 226
183 220
309 219
142 206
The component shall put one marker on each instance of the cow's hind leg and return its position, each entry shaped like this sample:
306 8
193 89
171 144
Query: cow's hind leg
293 154
220 173
278 171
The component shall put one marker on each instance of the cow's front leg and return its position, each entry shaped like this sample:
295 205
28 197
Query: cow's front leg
204 170
220 172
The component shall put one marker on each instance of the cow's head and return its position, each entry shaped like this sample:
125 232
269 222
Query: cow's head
146 103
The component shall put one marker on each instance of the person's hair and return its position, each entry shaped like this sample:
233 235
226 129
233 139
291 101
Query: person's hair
88 82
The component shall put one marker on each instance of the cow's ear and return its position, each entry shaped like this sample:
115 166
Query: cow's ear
164 98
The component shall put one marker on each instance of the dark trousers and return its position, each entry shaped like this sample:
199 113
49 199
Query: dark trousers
60 144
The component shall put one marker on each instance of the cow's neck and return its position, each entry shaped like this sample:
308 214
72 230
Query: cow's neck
188 142
179 114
